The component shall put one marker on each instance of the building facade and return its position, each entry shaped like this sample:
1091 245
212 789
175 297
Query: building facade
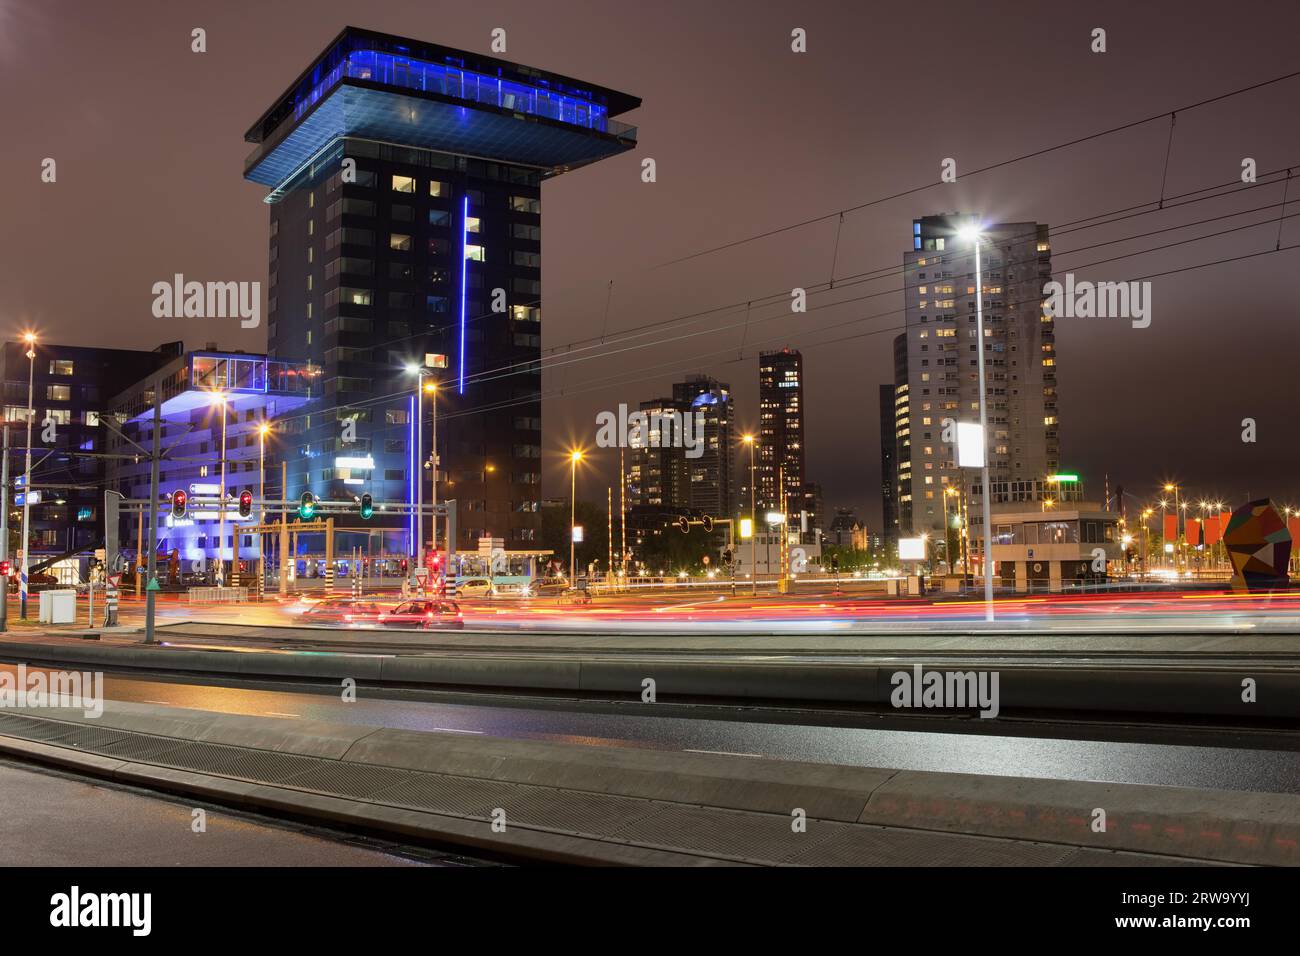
71 389
936 369
200 395
781 432
405 249
709 476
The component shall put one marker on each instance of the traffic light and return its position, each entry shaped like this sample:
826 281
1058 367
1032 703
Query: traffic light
6 569
684 524
245 504
307 506
707 523
406 565
835 562
727 557
179 500
367 507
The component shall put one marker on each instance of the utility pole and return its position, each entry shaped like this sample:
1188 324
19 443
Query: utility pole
155 454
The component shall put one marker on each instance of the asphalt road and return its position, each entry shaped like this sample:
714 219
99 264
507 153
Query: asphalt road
53 818
811 609
1190 757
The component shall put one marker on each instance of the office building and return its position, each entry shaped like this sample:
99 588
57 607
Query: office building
405 183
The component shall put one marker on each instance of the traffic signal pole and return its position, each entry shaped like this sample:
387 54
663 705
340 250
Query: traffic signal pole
4 531
155 453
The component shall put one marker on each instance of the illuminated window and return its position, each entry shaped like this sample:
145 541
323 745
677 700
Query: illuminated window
473 224
439 189
475 253
399 242
403 184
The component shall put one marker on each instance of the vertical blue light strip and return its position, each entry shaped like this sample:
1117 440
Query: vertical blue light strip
464 265
410 484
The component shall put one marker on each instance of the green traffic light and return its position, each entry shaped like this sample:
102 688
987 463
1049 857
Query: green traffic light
307 507
367 507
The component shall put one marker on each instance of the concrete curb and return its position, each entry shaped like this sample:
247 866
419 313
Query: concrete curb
1185 690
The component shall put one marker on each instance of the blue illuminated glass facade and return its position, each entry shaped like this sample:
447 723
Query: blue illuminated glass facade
399 265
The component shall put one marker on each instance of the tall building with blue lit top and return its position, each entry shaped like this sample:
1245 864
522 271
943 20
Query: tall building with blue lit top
405 232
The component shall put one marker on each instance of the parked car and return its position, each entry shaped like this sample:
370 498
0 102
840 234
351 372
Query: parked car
422 615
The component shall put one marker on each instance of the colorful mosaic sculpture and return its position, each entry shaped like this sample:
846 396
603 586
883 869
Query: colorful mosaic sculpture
1259 546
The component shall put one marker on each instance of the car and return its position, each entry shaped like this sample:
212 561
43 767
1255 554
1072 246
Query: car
548 587
422 615
342 611
579 595
475 588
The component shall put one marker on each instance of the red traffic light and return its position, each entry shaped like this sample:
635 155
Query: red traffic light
179 501
245 504
6 569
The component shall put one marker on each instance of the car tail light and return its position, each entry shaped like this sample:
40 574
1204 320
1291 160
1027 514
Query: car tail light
429 615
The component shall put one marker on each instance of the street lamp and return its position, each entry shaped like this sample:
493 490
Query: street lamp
1146 538
30 339
219 398
575 456
1171 488
973 235
753 521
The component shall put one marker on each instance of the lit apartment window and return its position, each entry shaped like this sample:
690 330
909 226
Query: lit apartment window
403 184
439 189
60 367
399 242
473 224
475 253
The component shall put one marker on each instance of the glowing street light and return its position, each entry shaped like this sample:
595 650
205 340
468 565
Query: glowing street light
575 456
30 339
751 441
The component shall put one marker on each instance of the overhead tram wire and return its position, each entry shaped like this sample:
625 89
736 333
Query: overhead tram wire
1007 162
873 275
1034 154
729 351
1090 222
509 372
680 367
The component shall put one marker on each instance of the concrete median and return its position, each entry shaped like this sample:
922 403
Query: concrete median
1112 687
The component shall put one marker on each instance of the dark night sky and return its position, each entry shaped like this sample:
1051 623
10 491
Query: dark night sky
747 137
